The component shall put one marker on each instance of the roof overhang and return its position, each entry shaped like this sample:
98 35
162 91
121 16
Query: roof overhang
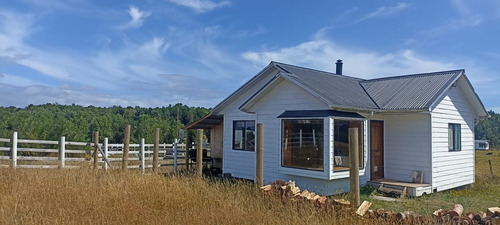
206 122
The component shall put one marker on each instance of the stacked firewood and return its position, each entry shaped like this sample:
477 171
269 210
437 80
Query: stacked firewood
290 191
492 216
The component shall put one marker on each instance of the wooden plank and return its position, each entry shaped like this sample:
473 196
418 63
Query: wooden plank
39 166
4 140
44 150
35 158
78 151
77 159
5 149
4 166
37 142
5 157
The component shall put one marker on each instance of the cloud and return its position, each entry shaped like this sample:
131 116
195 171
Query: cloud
321 53
384 11
138 17
201 6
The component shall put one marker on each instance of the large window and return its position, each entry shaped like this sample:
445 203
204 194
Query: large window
341 143
302 144
244 135
454 137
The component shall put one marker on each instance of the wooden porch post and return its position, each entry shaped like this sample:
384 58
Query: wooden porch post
126 147
199 153
156 150
354 167
259 173
96 151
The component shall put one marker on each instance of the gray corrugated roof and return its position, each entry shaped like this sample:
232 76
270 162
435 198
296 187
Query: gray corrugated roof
409 92
318 113
417 91
338 90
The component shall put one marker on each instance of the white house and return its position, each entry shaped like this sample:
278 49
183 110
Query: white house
421 122
482 145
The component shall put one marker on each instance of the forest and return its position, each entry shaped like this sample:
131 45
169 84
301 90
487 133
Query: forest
77 123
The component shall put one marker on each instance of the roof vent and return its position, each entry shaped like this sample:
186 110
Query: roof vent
339 67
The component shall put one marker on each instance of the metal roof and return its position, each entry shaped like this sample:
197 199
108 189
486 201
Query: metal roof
318 113
417 91
336 90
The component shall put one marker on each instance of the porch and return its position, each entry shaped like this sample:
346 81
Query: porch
412 189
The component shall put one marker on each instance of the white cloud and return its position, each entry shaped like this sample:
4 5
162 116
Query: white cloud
321 53
201 6
138 16
384 11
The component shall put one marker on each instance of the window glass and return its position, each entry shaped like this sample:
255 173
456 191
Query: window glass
454 137
244 135
302 144
341 143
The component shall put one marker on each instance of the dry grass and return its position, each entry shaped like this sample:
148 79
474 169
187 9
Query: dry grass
85 196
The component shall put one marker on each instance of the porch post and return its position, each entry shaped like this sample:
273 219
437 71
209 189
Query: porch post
259 174
199 153
354 167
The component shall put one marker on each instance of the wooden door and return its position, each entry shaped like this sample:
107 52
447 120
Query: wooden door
377 149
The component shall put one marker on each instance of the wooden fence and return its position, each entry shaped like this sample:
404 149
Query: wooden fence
23 153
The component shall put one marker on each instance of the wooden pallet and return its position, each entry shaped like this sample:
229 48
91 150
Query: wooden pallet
390 190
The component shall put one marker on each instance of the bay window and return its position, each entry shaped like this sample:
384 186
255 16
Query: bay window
302 144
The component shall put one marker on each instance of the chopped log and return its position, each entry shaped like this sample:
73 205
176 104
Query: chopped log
485 220
403 215
315 197
456 211
379 212
304 194
477 216
438 213
491 211
321 200
371 214
266 188
363 208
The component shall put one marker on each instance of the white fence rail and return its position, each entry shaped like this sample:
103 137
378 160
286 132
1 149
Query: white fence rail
63 151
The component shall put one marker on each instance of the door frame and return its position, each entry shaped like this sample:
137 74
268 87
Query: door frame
383 148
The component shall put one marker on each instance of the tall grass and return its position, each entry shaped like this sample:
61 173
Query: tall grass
85 196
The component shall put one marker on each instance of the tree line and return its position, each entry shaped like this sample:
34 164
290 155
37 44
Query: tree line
489 129
77 123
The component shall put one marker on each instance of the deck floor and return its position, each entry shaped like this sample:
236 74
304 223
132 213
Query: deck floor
398 183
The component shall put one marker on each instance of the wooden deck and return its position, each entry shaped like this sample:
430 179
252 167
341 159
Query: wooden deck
398 183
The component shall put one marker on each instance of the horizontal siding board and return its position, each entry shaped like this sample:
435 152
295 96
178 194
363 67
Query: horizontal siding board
452 168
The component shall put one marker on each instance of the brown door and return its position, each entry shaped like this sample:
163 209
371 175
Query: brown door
377 149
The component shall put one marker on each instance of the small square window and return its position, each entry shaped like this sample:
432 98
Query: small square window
454 137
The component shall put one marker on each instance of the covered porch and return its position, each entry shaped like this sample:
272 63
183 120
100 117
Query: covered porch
214 123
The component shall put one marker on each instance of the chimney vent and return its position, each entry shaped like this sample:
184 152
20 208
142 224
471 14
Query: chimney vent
339 67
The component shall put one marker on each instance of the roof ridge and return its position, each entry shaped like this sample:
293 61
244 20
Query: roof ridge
439 73
316 70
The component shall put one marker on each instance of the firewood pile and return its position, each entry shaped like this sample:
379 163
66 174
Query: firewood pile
288 191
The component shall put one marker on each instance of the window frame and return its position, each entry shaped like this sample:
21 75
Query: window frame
361 146
454 132
322 119
244 136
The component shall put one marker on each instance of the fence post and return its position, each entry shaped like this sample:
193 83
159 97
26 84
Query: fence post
62 151
199 153
143 160
187 150
96 147
354 167
156 150
106 140
259 173
175 154
13 150
126 147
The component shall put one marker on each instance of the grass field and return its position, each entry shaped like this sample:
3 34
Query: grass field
84 196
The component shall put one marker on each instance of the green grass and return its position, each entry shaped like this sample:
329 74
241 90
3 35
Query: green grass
478 197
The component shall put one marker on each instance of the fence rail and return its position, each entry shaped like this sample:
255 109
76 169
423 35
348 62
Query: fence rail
56 151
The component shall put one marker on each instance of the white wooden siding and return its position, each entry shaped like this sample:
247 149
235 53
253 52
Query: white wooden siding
452 168
407 146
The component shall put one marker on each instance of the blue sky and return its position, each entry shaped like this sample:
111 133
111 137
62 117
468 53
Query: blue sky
197 52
